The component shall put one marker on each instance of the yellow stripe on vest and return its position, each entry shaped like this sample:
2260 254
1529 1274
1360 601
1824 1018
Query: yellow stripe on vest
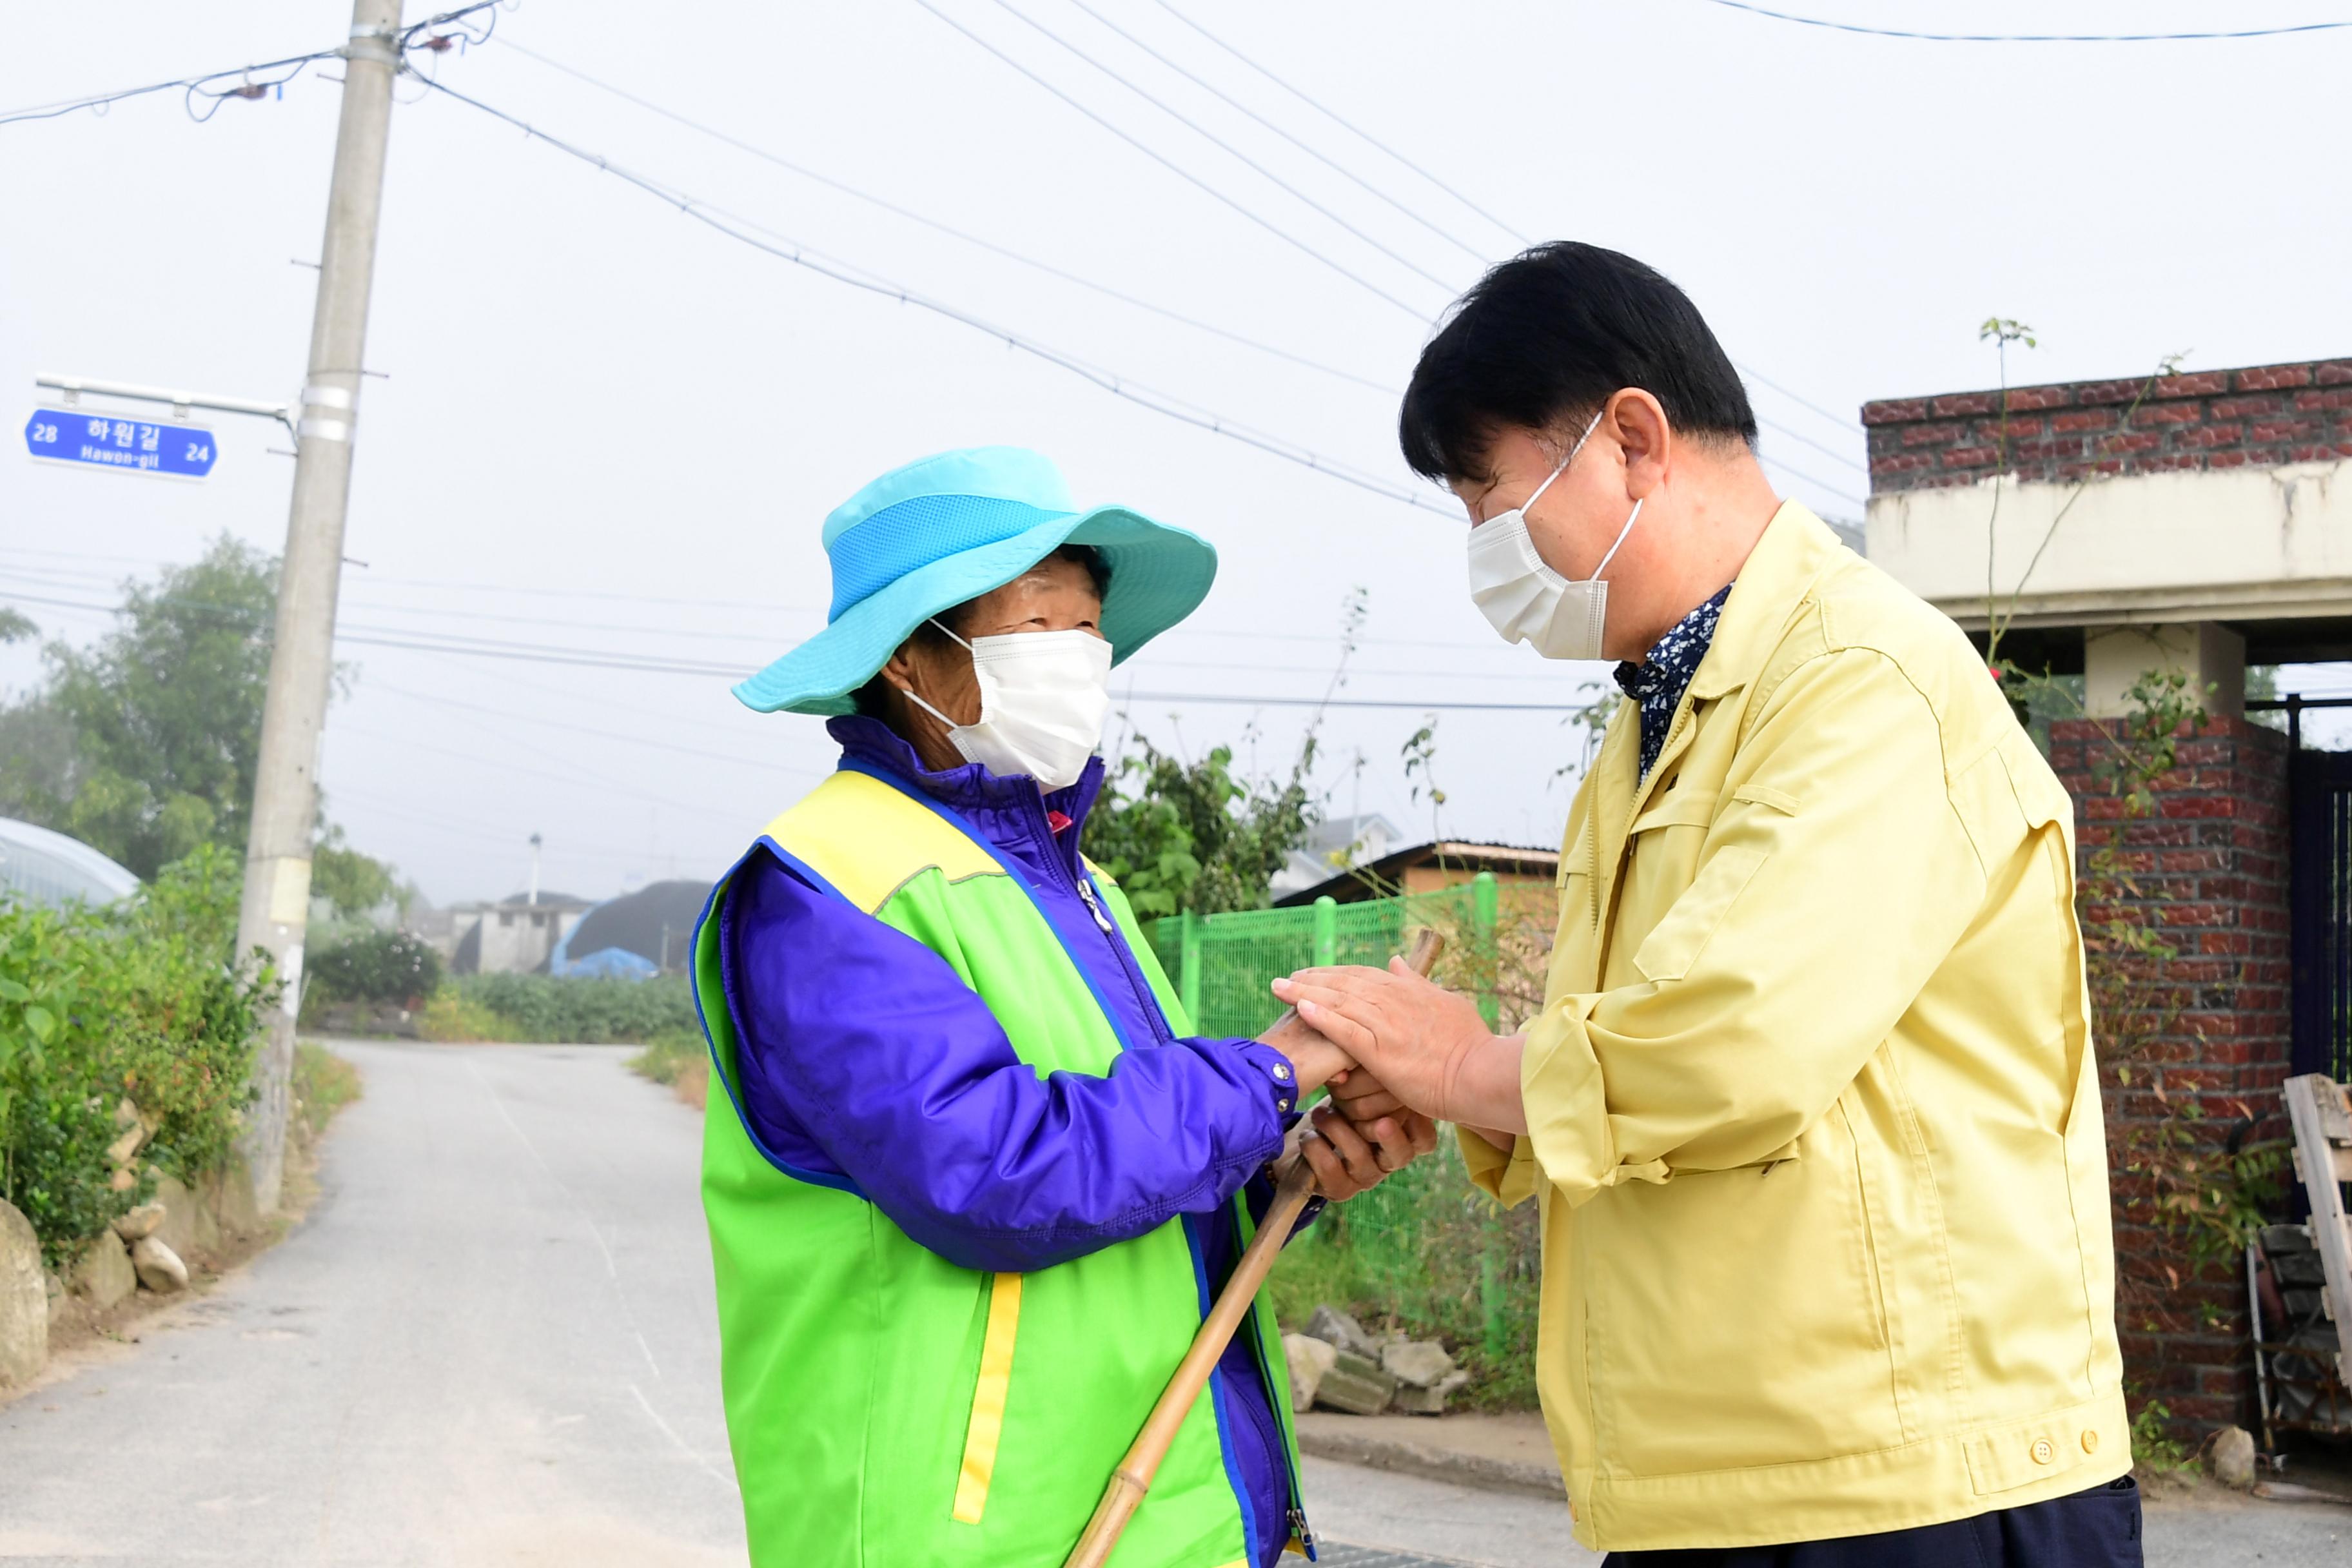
869 839
988 1398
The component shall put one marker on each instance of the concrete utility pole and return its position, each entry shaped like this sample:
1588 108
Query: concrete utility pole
275 915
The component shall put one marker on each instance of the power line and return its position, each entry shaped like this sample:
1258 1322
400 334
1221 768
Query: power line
530 653
1178 169
1516 234
2031 37
1215 139
911 215
1344 124
1187 629
516 715
1118 385
1300 142
200 86
1821 485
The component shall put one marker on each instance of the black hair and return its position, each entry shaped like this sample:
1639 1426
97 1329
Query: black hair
1547 338
873 698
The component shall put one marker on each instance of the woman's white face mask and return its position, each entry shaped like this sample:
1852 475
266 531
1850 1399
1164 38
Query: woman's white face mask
1522 597
1043 699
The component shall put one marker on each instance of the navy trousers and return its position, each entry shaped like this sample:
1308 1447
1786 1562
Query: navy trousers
2094 1529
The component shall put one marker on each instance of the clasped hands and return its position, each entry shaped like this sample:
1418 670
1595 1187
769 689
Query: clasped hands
1398 1053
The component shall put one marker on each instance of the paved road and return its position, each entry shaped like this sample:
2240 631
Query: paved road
492 1343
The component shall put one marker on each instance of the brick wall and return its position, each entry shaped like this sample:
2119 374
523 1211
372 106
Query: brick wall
2202 419
2211 869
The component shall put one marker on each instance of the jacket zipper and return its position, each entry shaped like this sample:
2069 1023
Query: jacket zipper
1083 884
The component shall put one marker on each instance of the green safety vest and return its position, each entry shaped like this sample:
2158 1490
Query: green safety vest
887 1408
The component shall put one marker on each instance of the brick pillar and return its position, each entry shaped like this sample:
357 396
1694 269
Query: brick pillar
2210 871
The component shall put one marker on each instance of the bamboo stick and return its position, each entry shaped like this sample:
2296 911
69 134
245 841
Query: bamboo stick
1294 1185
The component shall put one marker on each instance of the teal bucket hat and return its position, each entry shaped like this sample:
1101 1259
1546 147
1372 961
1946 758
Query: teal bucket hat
929 536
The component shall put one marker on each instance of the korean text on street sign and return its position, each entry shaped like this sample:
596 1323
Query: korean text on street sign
104 441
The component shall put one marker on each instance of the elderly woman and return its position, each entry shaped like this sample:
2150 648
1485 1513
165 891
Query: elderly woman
971 1180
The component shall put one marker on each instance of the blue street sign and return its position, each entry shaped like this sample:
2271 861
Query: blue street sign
104 441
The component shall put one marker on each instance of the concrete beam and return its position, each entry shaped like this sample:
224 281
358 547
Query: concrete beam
2115 657
2251 543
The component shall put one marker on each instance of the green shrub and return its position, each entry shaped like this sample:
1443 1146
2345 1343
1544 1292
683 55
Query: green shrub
1431 1255
136 1001
377 966
58 1175
453 1017
323 1084
670 1055
570 1011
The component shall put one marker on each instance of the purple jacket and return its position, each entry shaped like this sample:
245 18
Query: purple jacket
868 1064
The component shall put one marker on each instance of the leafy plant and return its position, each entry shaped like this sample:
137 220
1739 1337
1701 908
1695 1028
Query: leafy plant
381 966
351 882
136 1001
1178 835
570 1010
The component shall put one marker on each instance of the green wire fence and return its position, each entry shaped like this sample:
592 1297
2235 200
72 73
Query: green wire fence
1424 1249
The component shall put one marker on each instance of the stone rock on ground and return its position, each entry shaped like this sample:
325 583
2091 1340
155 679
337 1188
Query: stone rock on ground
23 1298
1340 1332
160 1269
2234 1459
229 1196
1431 1401
139 1222
1357 1385
1310 1359
102 1274
1418 1363
188 1225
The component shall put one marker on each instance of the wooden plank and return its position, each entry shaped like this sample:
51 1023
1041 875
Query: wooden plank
2309 1102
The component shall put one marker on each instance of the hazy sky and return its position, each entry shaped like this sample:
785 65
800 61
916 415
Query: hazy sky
608 431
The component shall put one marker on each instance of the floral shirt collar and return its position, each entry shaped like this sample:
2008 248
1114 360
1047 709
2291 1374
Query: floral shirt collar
1658 682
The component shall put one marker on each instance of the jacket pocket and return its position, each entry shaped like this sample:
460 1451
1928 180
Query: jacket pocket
1674 944
988 1395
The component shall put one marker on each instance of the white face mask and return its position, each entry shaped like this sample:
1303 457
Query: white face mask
1043 699
1522 597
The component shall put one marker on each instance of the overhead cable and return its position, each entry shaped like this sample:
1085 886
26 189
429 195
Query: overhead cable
1415 311
1515 233
1449 285
1205 85
525 653
1118 385
205 87
2031 37
911 215
1346 125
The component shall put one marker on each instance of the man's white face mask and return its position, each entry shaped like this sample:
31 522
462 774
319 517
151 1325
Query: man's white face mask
1522 597
1043 699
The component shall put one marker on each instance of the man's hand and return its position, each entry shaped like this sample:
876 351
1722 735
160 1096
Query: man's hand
1347 1159
1428 1047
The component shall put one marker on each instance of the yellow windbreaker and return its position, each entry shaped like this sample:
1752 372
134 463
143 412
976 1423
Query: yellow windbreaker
1815 1123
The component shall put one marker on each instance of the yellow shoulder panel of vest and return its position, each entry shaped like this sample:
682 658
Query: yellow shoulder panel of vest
869 839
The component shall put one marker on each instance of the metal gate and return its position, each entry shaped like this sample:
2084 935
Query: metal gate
2319 852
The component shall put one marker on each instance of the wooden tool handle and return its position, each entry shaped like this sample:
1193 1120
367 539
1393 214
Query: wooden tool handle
1294 1185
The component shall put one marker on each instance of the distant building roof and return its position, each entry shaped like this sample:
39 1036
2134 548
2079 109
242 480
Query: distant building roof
45 867
655 922
1374 877
1334 844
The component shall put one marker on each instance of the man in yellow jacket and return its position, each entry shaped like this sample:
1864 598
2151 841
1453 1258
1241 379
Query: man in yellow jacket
1810 1110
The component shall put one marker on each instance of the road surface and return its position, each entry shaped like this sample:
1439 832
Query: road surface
492 1342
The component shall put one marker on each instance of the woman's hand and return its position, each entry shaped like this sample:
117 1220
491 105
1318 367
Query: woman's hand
1347 1159
1315 1060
